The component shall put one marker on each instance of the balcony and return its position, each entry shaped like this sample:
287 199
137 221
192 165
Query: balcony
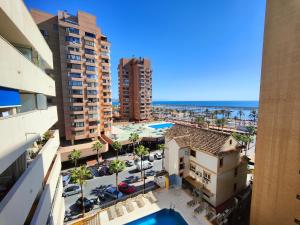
20 72
32 181
29 126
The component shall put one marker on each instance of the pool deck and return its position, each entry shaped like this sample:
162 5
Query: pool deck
179 198
121 133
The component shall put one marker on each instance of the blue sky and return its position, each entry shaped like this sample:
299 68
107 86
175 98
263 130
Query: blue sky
200 49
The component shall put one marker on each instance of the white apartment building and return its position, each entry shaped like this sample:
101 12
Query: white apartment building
30 181
206 161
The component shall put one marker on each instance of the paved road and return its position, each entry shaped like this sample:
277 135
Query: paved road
91 185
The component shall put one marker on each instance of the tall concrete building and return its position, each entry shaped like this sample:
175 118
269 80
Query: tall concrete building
135 89
276 192
82 76
30 181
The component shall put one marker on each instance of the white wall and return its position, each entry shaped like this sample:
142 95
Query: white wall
171 157
19 73
19 131
27 187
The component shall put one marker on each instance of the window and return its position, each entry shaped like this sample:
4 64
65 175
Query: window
73 39
90 60
73 57
236 171
73 49
90 43
92 92
230 142
73 66
91 35
234 187
206 176
89 51
72 30
76 108
193 153
75 92
75 83
221 162
192 168
74 75
91 76
91 68
44 33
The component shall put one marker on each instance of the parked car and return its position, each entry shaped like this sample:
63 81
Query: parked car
126 188
131 179
66 177
104 171
129 163
94 171
151 157
145 165
87 204
158 155
150 173
71 190
113 193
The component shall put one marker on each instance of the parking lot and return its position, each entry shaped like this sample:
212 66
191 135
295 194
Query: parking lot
92 187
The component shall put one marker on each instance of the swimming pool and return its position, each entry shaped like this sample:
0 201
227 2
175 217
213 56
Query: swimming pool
161 126
162 217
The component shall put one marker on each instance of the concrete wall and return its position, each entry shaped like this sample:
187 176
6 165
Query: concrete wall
171 157
25 190
18 26
277 159
22 74
18 132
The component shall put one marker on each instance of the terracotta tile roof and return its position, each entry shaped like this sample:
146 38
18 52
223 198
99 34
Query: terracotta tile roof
198 138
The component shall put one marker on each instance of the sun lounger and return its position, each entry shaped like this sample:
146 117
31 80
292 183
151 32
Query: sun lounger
151 197
198 210
192 203
119 209
128 205
111 213
140 201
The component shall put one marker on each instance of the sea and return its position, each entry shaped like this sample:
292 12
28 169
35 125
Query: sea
200 106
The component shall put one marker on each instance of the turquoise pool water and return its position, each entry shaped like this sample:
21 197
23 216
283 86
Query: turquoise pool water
162 217
161 126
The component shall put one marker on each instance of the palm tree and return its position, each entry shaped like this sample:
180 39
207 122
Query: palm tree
228 113
97 146
253 115
162 148
235 119
142 151
134 137
240 114
117 146
74 156
223 111
79 176
219 123
117 166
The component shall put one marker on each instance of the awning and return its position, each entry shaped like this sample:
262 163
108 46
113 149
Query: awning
9 98
199 186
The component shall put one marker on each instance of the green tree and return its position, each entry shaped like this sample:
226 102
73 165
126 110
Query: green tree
162 148
134 137
240 114
117 146
228 114
220 123
79 176
251 130
142 151
235 119
98 146
74 156
117 166
222 112
253 115
200 120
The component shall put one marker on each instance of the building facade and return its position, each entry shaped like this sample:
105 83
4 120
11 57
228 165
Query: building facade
135 89
276 184
30 181
207 161
82 73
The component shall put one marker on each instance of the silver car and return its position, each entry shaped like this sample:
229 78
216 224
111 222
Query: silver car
71 190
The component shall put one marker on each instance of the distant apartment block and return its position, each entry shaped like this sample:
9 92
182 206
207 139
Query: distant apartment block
135 89
206 161
30 182
82 73
276 184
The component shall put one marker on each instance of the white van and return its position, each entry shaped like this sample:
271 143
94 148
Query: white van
145 165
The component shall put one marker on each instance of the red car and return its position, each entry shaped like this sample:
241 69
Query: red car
125 188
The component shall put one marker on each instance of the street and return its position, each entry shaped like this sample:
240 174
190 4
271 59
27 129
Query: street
90 188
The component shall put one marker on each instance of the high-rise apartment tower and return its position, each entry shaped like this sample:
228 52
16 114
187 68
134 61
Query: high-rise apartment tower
30 182
135 89
276 191
82 73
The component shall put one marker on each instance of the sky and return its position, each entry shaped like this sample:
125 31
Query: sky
199 49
